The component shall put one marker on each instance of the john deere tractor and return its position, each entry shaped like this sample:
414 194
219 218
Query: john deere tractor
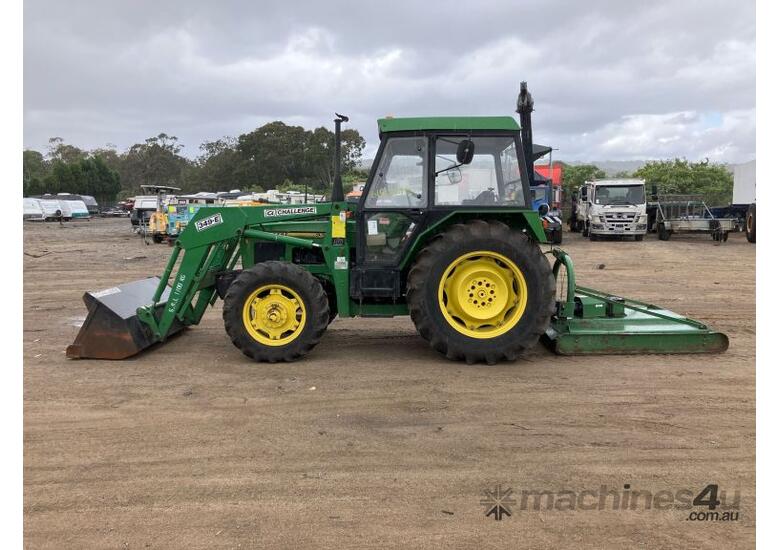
444 232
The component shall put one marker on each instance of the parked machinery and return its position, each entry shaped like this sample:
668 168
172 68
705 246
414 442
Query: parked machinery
688 214
612 208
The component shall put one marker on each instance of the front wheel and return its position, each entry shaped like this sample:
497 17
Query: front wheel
481 292
275 311
639 237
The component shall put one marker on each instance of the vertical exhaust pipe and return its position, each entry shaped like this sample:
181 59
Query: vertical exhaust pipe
525 106
337 195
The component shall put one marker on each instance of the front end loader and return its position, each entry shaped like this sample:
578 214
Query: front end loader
444 232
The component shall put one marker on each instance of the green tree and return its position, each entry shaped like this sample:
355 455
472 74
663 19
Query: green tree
680 176
218 168
576 175
156 161
59 150
34 172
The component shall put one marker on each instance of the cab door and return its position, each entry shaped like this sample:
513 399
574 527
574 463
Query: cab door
390 214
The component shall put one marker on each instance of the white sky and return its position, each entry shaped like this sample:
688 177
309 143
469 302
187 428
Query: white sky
612 80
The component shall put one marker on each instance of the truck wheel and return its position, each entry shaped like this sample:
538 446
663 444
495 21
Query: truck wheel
725 236
639 237
663 233
481 292
593 237
275 311
557 235
750 224
585 229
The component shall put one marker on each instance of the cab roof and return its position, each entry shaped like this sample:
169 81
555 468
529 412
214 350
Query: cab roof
465 123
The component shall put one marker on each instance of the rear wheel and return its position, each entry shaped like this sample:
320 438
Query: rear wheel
750 224
663 232
275 311
481 292
557 235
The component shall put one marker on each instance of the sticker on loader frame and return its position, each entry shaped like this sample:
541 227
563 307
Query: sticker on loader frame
211 221
338 227
275 212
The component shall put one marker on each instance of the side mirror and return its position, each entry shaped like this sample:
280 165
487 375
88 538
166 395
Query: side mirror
584 193
654 192
455 176
465 152
543 209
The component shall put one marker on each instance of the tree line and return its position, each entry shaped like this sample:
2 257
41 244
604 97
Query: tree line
273 156
279 156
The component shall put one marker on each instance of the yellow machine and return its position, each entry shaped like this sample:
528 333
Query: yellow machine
157 225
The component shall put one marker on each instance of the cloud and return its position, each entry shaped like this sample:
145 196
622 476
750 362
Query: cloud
611 79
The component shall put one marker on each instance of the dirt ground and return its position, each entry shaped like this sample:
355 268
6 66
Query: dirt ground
374 440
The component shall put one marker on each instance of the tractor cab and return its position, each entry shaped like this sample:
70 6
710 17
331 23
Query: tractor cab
427 170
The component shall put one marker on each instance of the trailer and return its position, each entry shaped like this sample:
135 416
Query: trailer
689 214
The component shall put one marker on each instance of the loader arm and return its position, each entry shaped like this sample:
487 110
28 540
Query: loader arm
126 319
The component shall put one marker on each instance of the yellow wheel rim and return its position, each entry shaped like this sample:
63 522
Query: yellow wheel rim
274 315
483 294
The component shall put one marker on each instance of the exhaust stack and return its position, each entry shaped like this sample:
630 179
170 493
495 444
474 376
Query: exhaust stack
337 195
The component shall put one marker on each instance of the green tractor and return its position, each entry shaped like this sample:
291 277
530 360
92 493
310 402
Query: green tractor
443 232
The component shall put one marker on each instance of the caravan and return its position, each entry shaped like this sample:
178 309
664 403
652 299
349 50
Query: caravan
78 210
33 211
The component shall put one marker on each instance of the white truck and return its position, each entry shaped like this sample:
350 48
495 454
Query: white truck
615 207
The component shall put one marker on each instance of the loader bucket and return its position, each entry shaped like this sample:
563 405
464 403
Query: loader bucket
112 329
589 322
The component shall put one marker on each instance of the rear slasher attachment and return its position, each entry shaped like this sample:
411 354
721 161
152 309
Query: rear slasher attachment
590 322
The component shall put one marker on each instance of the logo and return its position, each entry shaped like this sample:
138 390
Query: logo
712 503
275 212
211 221
497 502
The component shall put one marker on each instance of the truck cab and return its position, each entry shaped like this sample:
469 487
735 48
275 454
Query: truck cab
615 207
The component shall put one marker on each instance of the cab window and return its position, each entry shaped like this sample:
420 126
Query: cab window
492 178
399 181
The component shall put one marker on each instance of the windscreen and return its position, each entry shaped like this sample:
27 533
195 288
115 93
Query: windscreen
620 194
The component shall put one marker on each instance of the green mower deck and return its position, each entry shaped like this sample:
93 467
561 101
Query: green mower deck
590 322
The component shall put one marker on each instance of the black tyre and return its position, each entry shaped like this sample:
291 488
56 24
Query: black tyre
724 236
592 236
639 237
481 292
557 235
585 229
157 238
750 224
275 311
663 232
